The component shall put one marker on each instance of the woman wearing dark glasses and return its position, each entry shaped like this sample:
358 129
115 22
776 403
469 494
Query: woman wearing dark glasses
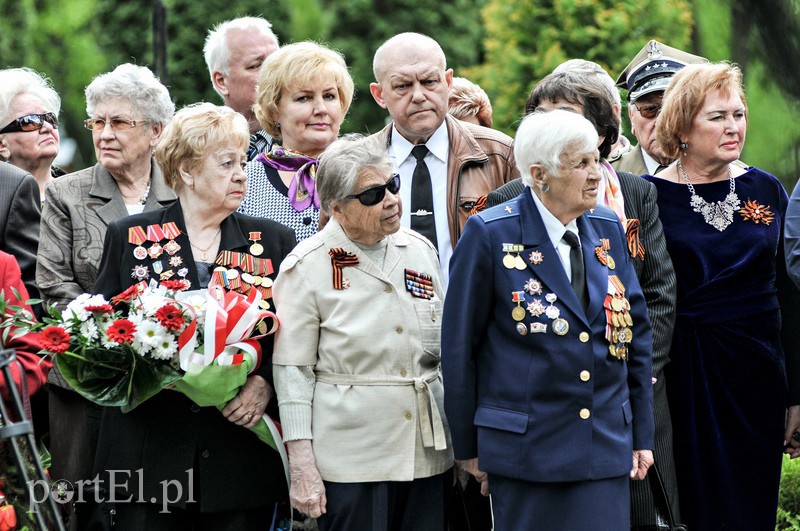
128 110
29 136
356 360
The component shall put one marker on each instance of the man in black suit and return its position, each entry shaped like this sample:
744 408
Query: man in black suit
20 213
635 205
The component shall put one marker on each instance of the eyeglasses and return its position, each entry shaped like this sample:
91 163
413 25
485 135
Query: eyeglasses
374 195
31 122
117 124
648 111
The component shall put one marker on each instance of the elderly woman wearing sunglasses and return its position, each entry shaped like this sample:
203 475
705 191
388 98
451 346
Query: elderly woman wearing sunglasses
128 110
356 360
29 124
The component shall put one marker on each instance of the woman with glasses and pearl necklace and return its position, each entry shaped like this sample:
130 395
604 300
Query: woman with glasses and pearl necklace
356 359
726 382
128 109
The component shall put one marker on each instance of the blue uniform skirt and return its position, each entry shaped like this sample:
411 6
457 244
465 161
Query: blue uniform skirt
599 505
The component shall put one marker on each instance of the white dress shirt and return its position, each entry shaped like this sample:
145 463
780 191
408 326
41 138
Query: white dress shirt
555 231
404 163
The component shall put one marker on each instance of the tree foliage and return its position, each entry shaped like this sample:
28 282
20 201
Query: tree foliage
527 39
363 25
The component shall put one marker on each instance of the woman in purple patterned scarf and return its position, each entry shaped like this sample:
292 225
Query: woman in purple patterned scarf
304 92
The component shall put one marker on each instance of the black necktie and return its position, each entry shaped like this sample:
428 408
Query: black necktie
422 219
660 167
576 266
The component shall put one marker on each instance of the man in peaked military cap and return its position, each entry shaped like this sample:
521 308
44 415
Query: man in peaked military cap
646 78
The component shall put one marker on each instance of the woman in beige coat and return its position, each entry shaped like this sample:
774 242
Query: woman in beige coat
357 356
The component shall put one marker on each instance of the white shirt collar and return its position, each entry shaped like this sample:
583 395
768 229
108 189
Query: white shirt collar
555 229
651 163
438 144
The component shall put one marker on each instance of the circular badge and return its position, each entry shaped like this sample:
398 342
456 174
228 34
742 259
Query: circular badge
522 329
519 263
509 262
247 277
518 313
256 249
560 327
611 264
140 253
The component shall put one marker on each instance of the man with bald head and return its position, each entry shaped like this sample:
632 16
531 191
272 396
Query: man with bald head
234 51
445 164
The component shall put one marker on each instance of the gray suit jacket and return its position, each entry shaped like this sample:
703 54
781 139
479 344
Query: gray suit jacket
78 208
20 213
657 278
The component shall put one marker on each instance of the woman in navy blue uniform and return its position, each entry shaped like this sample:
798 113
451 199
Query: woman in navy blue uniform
547 356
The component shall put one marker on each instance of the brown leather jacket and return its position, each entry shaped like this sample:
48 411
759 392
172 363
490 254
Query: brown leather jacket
480 160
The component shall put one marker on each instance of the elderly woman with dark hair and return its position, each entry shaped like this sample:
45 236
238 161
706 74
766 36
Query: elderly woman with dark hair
727 378
228 478
357 356
547 357
304 92
29 138
128 110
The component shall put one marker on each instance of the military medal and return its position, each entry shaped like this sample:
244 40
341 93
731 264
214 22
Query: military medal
256 249
158 267
518 313
155 250
418 284
140 272
171 231
611 263
618 319
551 311
522 329
536 308
538 328
536 257
519 263
172 247
137 237
176 261
509 262
533 287
560 327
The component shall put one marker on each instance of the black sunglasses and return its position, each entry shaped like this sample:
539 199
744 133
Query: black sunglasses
648 111
31 122
374 195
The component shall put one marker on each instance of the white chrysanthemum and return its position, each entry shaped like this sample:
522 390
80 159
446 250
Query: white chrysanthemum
95 300
89 330
150 333
75 309
166 349
106 342
198 304
150 302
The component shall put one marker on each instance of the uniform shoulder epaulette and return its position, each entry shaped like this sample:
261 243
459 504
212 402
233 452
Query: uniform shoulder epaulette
509 209
603 212
301 251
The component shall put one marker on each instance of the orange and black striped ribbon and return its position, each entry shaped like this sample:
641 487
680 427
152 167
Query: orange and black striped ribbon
339 259
479 206
635 246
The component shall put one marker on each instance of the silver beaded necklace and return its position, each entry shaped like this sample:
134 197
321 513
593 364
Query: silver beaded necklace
718 214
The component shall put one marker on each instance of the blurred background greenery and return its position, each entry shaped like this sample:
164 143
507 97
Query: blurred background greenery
503 45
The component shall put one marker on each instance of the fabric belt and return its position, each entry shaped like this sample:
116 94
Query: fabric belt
430 420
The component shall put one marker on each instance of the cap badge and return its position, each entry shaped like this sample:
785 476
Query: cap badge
653 50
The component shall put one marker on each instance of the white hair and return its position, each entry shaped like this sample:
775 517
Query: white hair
215 49
544 136
17 81
136 84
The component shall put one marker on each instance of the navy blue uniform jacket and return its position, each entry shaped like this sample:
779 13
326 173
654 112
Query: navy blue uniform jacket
540 406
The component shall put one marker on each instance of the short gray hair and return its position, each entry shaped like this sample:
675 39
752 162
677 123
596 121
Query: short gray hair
342 163
136 84
215 49
582 66
544 136
17 81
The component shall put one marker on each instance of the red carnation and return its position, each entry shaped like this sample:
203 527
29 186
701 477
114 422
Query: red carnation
170 317
101 308
174 285
121 331
54 339
130 293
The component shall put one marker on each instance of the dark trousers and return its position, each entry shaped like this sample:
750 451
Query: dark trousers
141 516
387 505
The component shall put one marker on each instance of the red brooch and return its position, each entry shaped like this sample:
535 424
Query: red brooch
753 211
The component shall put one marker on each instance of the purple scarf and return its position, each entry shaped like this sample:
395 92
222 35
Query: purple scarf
302 190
